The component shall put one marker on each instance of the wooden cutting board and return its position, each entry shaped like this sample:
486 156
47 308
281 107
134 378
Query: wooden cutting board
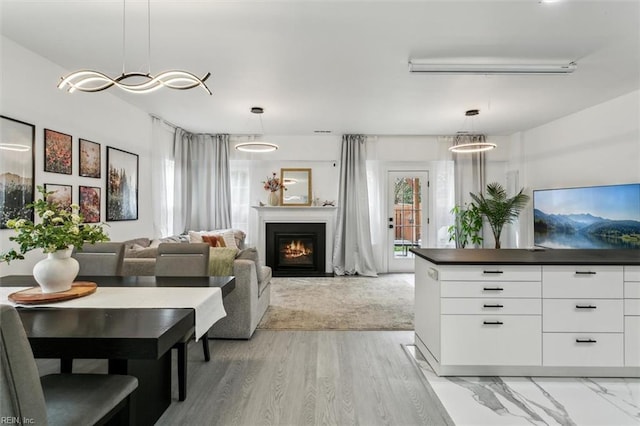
34 295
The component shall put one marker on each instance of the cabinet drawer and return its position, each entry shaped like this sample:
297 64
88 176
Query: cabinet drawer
491 273
491 340
578 315
632 341
491 289
495 306
582 281
632 290
582 349
632 273
632 307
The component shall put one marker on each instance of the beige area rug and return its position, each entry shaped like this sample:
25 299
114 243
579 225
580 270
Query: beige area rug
341 303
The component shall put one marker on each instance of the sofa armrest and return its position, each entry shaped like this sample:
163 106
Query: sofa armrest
241 304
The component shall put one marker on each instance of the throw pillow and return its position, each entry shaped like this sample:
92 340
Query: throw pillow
250 253
142 242
195 237
214 240
140 252
229 239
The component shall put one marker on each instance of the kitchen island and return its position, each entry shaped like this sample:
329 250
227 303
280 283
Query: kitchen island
528 312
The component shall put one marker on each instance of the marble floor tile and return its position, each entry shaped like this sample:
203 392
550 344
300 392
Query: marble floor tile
512 401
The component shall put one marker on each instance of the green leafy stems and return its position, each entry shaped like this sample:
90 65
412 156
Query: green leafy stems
467 227
58 229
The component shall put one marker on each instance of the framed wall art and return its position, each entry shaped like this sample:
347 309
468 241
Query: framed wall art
61 195
57 152
122 185
17 171
89 158
89 201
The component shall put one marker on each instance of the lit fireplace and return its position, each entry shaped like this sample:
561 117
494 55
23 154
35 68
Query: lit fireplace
298 252
295 249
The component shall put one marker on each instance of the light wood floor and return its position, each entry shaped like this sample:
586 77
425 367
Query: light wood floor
301 378
307 378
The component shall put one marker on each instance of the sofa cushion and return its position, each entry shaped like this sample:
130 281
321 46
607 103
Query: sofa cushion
142 242
138 251
251 253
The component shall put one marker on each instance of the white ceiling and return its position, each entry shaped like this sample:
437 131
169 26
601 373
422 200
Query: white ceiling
342 65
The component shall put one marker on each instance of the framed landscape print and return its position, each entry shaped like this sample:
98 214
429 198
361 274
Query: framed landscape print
122 185
61 195
90 204
89 158
17 171
57 152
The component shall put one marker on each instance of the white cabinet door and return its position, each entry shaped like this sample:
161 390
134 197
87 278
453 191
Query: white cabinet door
427 307
491 273
522 289
632 341
582 349
491 340
588 315
497 306
570 282
632 273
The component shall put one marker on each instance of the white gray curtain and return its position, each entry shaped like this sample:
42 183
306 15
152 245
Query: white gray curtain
352 251
162 136
202 194
470 175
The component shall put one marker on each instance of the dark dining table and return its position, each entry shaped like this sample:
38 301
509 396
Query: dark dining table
135 341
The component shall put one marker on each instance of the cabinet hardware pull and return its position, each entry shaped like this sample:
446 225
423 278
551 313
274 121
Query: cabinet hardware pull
492 272
585 273
492 322
585 341
585 307
493 306
493 289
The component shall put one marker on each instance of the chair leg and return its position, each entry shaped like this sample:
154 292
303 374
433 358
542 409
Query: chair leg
182 370
66 365
205 347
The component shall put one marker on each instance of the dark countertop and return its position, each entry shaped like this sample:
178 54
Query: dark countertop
528 257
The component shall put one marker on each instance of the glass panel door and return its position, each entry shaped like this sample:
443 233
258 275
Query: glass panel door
407 217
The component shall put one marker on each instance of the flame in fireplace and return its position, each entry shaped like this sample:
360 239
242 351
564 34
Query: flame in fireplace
295 249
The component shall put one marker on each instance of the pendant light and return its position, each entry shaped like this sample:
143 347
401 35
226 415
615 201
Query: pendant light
257 146
133 82
469 142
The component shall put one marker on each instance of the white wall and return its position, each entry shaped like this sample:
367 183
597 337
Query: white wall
596 146
28 93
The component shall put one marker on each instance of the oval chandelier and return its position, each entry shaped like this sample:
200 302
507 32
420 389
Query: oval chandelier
257 146
133 82
469 142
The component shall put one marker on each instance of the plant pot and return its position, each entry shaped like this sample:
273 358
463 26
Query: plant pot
57 272
274 199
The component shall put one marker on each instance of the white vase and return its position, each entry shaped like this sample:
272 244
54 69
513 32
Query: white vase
274 198
57 272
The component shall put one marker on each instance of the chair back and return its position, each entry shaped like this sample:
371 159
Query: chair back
21 393
182 260
100 259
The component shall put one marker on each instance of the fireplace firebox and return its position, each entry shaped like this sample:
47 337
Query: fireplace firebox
295 249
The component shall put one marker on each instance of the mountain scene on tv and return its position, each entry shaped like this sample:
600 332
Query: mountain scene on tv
603 217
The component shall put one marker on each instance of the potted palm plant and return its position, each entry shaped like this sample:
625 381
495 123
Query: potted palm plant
498 208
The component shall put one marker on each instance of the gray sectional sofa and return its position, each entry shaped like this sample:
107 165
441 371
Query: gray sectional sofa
245 305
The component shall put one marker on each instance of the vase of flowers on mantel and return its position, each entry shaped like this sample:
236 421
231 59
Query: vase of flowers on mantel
274 186
59 230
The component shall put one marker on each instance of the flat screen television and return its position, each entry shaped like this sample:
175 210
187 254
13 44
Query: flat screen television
595 217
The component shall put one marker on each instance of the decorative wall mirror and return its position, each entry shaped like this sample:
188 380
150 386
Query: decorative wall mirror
298 184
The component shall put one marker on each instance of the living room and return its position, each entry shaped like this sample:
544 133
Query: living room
575 130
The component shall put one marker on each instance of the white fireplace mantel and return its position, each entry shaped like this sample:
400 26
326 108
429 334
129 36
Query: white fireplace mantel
312 214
